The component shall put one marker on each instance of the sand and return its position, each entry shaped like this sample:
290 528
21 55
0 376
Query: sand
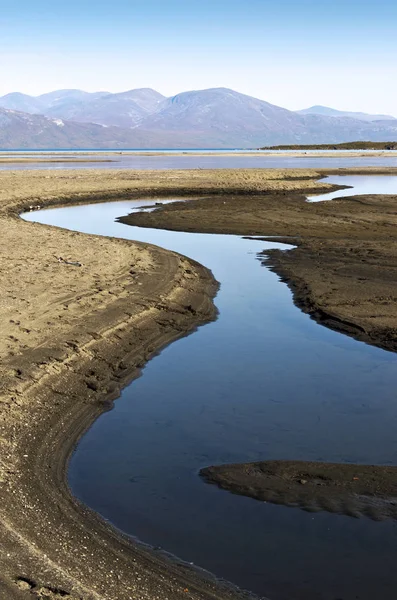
352 490
73 336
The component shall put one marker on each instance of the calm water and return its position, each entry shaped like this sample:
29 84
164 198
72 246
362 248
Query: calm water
262 382
213 162
361 184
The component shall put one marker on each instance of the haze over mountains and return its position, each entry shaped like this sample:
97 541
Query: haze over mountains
332 112
143 118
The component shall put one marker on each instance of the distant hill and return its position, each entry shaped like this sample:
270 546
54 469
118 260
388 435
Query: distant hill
23 130
125 109
222 113
44 103
22 102
226 118
143 118
344 146
325 111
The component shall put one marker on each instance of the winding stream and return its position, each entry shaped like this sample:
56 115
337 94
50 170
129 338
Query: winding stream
264 381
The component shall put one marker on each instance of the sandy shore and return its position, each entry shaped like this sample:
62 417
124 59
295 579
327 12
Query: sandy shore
74 336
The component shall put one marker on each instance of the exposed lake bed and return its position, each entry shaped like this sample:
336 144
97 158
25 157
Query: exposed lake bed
278 437
353 490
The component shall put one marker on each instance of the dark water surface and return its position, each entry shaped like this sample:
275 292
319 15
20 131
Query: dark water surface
262 382
211 162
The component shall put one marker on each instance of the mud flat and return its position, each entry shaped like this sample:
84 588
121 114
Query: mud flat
73 336
353 490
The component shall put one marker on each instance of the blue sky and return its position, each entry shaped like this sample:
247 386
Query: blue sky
290 53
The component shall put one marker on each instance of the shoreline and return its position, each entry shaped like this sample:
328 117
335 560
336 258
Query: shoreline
307 301
72 156
56 382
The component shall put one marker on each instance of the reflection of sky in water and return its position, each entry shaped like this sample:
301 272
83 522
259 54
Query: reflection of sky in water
262 382
361 184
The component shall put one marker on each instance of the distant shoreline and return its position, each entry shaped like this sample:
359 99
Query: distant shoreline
359 145
75 156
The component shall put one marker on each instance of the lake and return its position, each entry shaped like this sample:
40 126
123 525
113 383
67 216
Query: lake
205 161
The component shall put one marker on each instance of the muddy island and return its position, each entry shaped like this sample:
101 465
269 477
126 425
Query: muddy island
353 490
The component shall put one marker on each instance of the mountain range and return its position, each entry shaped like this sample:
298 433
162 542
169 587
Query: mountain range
144 118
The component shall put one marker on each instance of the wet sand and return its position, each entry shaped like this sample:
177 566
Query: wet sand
73 336
353 490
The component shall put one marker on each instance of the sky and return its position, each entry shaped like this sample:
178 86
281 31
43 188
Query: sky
293 53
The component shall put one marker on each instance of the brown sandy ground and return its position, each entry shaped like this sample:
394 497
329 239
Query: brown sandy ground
354 490
72 337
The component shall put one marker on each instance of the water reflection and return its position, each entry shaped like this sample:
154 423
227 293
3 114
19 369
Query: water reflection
360 184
